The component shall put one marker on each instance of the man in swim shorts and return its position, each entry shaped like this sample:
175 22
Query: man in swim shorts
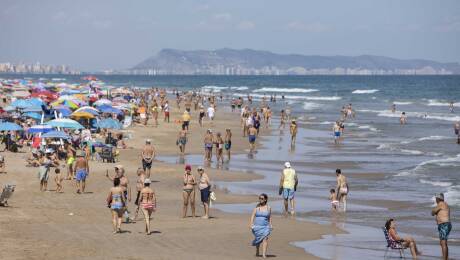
442 213
81 172
252 133
336 130
148 154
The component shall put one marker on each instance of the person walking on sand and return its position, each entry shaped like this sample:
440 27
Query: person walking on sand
208 142
205 191
166 111
139 185
148 154
124 184
147 204
442 213
293 130
186 120
81 172
70 160
188 191
252 134
219 149
288 186
182 140
155 111
43 170
116 203
228 142
342 188
261 225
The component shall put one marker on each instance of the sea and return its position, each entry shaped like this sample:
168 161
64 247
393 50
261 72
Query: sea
393 170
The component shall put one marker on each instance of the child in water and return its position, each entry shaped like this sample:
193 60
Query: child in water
334 201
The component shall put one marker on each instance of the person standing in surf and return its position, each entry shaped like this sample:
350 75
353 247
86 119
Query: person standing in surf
342 188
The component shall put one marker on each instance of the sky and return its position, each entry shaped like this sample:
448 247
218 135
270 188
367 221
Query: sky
94 35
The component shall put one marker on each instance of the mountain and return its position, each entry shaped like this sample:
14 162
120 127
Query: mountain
252 62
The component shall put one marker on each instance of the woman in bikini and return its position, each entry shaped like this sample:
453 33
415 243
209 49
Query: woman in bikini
188 191
147 204
219 148
155 111
116 202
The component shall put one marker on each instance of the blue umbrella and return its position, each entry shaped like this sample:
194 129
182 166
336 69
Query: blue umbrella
23 103
108 109
40 129
56 134
109 123
8 126
66 112
65 123
32 109
33 115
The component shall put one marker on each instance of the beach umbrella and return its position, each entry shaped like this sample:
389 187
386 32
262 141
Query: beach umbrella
20 93
32 109
65 111
56 134
22 103
107 109
69 103
33 115
109 123
8 126
65 123
88 109
40 129
103 102
81 114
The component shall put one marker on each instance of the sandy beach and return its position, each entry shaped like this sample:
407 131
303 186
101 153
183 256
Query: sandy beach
46 225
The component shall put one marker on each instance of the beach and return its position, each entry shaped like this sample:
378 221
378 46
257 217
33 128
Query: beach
40 225
393 170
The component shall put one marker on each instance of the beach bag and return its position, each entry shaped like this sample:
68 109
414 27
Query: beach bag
212 198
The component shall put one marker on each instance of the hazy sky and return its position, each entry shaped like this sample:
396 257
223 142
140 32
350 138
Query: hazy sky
95 34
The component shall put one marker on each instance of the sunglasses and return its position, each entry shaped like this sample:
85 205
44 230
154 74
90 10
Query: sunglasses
261 198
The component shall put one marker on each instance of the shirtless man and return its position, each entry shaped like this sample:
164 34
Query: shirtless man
337 132
252 134
70 160
81 172
403 118
342 188
282 119
208 142
182 140
124 184
442 213
148 154
393 108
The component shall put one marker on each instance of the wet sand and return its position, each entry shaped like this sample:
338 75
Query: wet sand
46 225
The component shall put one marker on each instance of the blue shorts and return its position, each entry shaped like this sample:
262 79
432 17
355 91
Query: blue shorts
288 194
81 175
205 194
337 134
252 138
444 230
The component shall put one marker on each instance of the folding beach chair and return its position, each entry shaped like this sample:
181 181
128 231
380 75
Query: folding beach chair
393 244
8 190
107 154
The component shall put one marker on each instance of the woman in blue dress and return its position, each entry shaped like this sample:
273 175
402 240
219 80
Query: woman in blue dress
261 224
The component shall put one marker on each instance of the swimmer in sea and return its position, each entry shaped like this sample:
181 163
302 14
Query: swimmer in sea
336 131
403 118
393 108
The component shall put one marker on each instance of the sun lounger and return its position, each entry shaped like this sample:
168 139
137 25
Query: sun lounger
8 190
393 244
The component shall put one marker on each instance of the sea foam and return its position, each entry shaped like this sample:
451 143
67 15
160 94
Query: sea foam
364 91
288 90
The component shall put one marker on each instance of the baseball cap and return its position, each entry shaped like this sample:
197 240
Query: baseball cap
119 166
287 164
200 168
147 181
148 141
439 196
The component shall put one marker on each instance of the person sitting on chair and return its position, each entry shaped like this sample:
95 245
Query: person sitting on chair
407 242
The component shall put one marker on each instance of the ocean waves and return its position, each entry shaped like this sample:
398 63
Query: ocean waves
365 91
286 90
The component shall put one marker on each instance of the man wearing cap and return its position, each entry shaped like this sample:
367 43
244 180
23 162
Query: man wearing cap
81 172
148 154
442 213
288 186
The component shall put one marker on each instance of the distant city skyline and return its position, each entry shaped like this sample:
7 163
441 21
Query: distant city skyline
102 35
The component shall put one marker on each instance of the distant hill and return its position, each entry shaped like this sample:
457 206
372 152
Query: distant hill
252 62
